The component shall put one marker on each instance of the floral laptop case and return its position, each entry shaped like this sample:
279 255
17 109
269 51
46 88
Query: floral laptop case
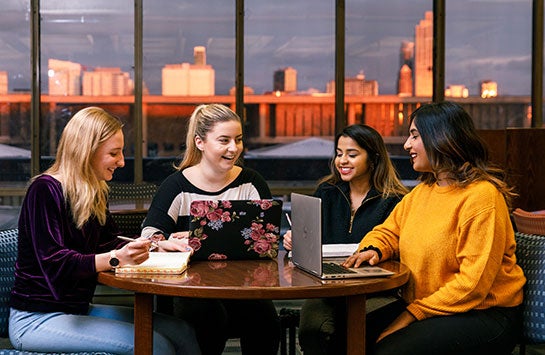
235 229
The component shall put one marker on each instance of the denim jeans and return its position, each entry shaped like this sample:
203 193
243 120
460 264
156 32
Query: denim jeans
105 328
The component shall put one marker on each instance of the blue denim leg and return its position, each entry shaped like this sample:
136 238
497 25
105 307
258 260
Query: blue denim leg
105 328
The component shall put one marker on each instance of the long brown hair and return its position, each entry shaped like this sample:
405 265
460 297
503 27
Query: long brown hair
454 147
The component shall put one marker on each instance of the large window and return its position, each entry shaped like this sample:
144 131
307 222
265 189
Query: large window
87 51
488 57
90 54
189 58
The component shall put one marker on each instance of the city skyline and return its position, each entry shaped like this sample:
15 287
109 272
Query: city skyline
480 44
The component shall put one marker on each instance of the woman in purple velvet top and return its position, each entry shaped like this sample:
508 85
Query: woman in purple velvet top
67 236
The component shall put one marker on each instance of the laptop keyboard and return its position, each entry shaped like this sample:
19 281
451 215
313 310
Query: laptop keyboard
334 268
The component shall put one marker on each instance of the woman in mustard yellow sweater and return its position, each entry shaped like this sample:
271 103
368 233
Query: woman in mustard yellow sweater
454 233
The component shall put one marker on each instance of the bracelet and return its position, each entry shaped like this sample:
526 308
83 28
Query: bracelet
375 249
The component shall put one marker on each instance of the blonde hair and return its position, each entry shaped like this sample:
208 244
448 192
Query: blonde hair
202 120
84 133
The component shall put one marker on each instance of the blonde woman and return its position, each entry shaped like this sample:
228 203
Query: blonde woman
210 171
66 236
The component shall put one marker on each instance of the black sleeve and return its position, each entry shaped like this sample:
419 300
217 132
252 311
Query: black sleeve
158 216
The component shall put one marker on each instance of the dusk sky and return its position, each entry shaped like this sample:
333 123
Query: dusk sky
486 39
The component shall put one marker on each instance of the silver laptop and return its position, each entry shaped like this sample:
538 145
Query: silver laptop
306 217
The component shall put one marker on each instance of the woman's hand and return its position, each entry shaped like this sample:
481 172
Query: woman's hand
134 253
175 244
358 258
179 235
403 320
286 242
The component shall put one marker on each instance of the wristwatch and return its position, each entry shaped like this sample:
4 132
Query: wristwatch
114 261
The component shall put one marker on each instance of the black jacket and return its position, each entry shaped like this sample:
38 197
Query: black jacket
336 225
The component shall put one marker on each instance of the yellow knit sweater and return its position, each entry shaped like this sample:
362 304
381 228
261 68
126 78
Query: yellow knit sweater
459 245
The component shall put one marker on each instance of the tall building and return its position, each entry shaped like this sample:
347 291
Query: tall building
406 54
489 88
423 56
189 79
405 81
106 82
64 78
3 82
285 80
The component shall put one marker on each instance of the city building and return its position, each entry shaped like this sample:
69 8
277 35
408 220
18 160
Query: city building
189 79
199 55
356 86
423 56
64 78
285 80
489 89
106 82
406 54
456 91
247 90
3 82
405 81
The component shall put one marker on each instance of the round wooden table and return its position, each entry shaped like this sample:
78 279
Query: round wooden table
252 279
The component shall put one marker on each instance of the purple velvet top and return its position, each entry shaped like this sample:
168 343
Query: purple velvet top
55 269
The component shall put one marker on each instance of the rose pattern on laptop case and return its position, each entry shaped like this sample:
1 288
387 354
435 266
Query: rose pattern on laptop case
261 238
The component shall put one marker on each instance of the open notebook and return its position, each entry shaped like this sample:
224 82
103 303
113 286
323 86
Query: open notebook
159 263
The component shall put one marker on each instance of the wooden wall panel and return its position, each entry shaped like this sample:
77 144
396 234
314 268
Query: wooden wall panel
521 152
525 151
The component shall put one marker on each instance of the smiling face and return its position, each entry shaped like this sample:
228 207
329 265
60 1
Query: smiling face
108 157
222 145
415 146
351 160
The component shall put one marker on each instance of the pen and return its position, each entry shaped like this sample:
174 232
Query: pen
289 219
154 245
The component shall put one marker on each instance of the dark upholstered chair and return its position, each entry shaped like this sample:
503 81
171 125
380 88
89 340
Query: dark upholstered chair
531 258
130 222
8 255
128 191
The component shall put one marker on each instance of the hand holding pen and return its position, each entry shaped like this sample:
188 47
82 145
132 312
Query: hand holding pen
153 245
172 244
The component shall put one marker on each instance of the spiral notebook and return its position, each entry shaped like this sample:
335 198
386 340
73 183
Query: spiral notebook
159 263
235 229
